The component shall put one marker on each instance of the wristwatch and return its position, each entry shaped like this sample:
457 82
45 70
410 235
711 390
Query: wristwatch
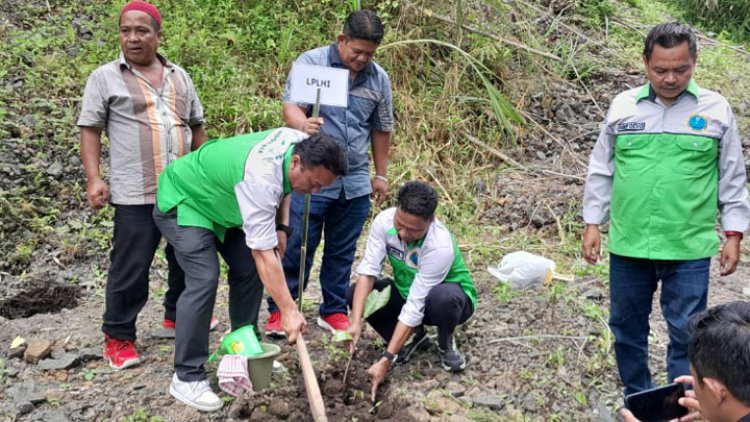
390 356
284 228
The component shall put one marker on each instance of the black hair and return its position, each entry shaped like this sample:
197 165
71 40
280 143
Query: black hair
720 347
669 35
417 198
364 25
322 150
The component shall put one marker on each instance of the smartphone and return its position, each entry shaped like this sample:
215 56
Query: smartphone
658 404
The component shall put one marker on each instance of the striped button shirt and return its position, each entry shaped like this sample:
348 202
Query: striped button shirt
147 127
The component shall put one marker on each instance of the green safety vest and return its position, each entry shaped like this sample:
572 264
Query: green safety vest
403 273
665 194
201 184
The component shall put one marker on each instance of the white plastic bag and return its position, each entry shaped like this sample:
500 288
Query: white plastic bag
523 269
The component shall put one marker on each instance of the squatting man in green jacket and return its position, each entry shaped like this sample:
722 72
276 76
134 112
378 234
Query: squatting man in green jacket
668 158
232 196
431 284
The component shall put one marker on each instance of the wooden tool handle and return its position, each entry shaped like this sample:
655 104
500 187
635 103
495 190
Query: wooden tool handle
311 383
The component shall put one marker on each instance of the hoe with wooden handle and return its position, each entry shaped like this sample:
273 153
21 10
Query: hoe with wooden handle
317 407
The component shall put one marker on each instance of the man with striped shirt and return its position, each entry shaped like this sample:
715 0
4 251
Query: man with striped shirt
151 113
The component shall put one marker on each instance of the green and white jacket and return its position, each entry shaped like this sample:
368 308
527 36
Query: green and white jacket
418 266
661 172
232 183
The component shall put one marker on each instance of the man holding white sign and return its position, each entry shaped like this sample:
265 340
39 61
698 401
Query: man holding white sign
363 120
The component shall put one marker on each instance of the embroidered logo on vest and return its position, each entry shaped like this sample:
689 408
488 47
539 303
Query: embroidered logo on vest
697 122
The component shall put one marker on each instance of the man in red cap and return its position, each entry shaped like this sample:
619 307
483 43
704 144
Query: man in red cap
151 113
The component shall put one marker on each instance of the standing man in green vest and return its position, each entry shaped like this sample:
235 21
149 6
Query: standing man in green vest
205 201
431 284
667 160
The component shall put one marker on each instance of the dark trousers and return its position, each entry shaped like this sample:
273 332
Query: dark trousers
684 292
340 221
446 306
134 243
196 250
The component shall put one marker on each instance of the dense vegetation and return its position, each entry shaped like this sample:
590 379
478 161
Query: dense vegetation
728 17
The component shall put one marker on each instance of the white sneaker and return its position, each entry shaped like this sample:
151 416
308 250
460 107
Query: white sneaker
195 394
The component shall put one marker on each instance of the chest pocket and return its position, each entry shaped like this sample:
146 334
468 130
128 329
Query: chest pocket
695 155
631 152
360 111
182 101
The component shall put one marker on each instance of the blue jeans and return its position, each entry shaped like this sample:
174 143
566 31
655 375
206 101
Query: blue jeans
633 281
340 221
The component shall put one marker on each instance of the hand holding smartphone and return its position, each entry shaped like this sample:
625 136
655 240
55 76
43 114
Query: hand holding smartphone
659 404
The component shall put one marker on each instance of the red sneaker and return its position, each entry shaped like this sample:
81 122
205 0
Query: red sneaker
334 322
170 325
273 325
120 354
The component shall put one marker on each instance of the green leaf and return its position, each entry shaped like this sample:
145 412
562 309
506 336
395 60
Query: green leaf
340 336
376 300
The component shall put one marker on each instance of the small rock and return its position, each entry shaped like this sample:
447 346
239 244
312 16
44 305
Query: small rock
530 405
74 161
28 120
280 409
23 408
51 416
418 414
56 169
90 353
25 132
479 185
541 155
16 352
491 401
66 361
25 393
259 415
54 395
12 372
429 385
38 349
455 389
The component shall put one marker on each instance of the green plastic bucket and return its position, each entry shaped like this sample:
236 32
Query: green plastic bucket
260 366
241 341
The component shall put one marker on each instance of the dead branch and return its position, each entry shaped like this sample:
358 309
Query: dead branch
494 151
511 43
537 337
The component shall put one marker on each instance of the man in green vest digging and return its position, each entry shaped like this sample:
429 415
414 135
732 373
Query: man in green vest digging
667 160
205 201
431 284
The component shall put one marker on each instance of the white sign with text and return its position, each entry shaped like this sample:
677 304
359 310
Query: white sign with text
333 84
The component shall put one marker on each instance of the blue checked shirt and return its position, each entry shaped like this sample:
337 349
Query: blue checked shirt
370 107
